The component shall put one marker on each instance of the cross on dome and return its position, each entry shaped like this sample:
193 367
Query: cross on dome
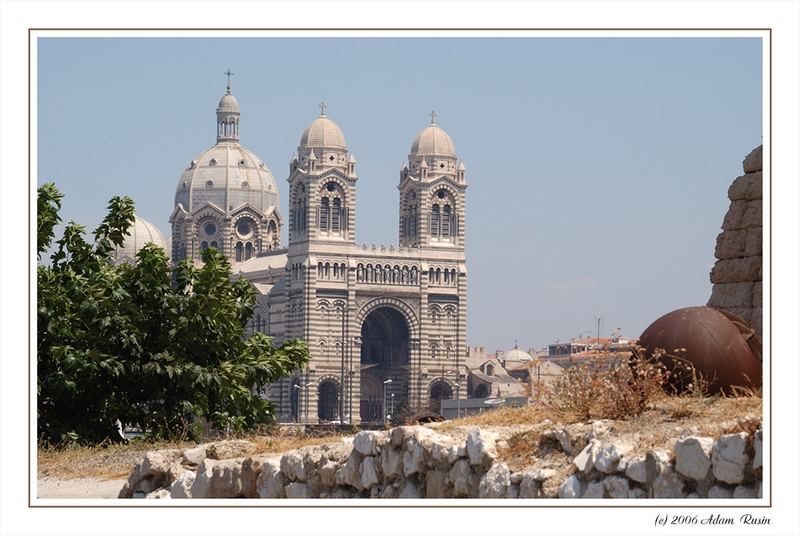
229 74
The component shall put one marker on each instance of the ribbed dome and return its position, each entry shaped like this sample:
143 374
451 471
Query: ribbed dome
433 140
227 175
322 132
228 103
515 354
140 233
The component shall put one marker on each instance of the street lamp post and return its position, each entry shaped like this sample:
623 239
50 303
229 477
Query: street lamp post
296 386
391 405
383 408
458 400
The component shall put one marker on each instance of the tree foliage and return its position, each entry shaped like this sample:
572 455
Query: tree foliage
147 344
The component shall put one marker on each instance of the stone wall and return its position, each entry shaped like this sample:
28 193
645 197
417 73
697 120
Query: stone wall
418 462
736 276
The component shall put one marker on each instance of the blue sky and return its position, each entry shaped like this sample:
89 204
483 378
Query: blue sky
597 168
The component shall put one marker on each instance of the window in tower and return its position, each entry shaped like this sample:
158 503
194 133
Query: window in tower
446 222
239 251
324 211
248 251
435 217
336 215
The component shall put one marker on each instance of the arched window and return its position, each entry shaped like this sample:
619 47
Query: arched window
248 250
214 244
489 369
328 406
324 212
239 251
435 217
446 222
203 245
438 276
327 270
482 391
335 215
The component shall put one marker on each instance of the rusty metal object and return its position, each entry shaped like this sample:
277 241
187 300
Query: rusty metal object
424 418
702 342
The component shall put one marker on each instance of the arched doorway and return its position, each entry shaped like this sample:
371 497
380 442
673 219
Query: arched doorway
328 405
439 390
482 391
384 357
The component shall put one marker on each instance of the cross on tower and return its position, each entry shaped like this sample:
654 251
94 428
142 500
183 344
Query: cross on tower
322 107
433 117
229 74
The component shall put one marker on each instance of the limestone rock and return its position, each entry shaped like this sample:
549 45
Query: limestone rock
181 488
542 473
399 434
437 485
298 490
391 462
349 474
656 462
529 486
366 442
747 187
327 473
251 470
744 492
413 459
513 491
736 270
462 478
481 447
159 494
571 488
236 448
637 469
617 487
731 244
594 490
637 493
757 447
151 473
606 458
720 492
271 481
754 160
194 456
727 295
729 459
494 484
693 456
292 465
585 460
410 491
369 472
668 485
218 479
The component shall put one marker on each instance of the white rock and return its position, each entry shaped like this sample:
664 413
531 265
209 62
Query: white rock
342 493
369 472
194 456
572 488
151 473
327 473
298 490
757 447
366 443
729 459
292 465
391 462
159 494
606 458
637 493
585 460
456 452
414 460
410 491
460 475
693 456
349 473
637 469
513 491
218 479
720 492
745 492
600 428
542 473
529 486
234 448
617 487
494 484
668 485
656 462
181 488
271 483
693 495
594 490
436 485
398 435
481 447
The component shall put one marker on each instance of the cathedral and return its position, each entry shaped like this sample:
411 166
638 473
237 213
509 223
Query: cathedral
385 324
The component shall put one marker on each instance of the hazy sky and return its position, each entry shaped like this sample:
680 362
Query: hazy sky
597 168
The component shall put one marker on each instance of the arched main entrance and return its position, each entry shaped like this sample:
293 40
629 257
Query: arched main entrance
328 401
384 357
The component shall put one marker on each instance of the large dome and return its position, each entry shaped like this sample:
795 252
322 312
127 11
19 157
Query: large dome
322 132
141 232
433 140
516 355
227 175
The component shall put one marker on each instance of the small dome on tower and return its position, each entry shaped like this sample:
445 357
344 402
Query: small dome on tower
322 132
140 233
433 140
228 103
516 355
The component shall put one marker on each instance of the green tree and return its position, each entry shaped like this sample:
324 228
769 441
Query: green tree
146 344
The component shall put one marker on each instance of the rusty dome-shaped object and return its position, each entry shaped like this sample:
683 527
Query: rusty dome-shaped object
720 346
